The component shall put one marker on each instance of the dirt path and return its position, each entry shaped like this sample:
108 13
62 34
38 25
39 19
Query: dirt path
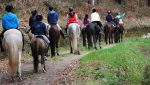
57 71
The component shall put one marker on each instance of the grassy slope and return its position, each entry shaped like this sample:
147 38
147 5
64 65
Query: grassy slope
119 65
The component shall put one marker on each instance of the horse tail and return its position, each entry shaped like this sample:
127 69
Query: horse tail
13 57
74 40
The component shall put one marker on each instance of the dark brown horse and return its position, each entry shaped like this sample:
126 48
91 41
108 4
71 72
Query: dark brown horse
39 48
118 37
109 33
83 32
93 34
54 37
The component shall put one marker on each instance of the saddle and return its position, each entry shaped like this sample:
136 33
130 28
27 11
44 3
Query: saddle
43 37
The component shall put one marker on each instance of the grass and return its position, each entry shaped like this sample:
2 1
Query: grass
122 64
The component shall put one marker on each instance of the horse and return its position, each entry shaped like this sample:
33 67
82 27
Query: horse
118 37
83 32
93 34
54 37
74 37
109 33
39 48
13 44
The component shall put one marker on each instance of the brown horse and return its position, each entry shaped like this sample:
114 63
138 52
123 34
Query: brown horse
109 33
83 32
13 43
54 37
118 37
39 48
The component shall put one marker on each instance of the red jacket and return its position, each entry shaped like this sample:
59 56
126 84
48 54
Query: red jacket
72 19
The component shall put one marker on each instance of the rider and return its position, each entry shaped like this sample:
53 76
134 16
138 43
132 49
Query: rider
95 18
71 17
39 28
109 18
32 18
9 21
120 17
52 19
86 20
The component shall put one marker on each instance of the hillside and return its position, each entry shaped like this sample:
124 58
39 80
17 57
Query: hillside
137 11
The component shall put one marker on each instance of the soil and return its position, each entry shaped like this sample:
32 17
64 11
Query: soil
58 71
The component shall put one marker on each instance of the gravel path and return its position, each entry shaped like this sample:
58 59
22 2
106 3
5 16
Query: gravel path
57 70
57 73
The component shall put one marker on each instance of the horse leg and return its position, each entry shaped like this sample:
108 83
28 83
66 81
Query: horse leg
106 36
100 40
78 45
43 63
71 50
57 50
94 41
84 37
89 41
19 67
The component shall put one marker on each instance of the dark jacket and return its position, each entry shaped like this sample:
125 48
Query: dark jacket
109 18
39 28
32 19
52 17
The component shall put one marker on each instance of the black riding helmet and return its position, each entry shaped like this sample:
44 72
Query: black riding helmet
34 12
93 10
9 8
39 17
71 9
51 8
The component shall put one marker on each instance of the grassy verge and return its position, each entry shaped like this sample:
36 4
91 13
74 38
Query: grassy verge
120 65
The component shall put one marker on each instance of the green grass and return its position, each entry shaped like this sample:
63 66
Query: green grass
122 64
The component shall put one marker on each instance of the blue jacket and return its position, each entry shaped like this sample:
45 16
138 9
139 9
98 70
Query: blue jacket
109 18
39 28
10 21
52 17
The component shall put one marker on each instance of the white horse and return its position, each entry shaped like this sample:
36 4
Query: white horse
74 36
13 43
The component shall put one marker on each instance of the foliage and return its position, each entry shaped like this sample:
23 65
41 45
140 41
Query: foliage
121 65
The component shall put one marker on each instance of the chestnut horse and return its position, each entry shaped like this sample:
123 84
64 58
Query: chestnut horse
109 33
39 48
13 43
54 37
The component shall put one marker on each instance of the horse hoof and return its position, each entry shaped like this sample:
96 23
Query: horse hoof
20 79
78 53
57 54
44 71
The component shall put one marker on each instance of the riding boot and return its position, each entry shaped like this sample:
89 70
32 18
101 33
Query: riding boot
66 29
22 41
1 39
1 47
61 32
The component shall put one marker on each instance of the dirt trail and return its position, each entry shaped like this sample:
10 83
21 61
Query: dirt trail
57 71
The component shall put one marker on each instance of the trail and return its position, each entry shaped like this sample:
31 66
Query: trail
57 71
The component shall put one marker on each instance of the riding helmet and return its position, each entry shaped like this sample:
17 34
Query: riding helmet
71 9
34 11
93 10
51 7
9 8
39 17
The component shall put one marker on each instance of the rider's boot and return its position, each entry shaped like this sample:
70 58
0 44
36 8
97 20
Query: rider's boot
61 32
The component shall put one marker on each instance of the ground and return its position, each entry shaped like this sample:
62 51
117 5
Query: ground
58 71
